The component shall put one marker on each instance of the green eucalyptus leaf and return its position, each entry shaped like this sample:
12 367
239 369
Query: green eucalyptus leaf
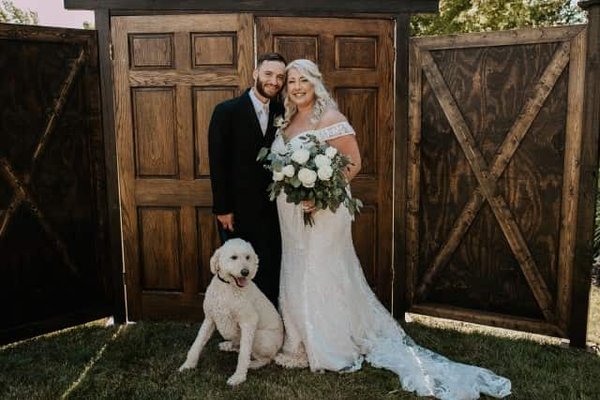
262 154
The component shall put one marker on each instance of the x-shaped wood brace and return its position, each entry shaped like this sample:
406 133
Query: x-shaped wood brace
21 187
487 178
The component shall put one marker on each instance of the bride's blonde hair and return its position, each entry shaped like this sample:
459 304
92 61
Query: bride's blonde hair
323 99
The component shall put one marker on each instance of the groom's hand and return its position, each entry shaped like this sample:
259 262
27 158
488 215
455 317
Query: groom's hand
226 221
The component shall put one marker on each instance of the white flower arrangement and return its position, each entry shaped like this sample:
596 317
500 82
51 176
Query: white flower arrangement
312 172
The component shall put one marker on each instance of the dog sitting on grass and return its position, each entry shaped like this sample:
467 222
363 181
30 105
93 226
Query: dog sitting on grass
241 313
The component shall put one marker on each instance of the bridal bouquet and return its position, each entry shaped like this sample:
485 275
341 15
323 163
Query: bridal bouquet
312 172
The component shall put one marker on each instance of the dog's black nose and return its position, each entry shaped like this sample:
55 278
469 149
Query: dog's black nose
245 272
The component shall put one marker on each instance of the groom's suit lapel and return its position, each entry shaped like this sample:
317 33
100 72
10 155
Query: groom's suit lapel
251 116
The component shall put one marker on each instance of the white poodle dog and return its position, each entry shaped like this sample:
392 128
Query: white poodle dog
241 313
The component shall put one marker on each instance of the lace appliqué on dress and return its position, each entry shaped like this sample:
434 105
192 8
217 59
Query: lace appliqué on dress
334 131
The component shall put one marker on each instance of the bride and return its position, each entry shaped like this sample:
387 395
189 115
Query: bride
332 319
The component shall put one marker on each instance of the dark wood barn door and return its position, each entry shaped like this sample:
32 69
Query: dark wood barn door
54 263
495 142
356 57
170 72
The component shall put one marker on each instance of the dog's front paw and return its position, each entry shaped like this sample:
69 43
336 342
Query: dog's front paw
187 365
236 379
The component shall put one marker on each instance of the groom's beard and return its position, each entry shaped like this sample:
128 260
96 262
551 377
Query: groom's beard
260 88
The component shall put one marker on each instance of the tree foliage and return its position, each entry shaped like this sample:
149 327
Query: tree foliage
458 16
14 15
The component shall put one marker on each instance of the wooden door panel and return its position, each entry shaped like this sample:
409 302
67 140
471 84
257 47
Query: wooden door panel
361 104
170 72
151 51
495 138
205 100
154 132
159 244
294 47
356 59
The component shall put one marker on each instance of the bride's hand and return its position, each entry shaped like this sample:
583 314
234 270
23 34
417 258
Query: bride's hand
308 206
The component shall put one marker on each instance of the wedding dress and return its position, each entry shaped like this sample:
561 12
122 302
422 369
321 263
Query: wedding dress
333 321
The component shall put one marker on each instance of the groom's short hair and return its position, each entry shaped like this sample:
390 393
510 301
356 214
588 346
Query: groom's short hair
270 57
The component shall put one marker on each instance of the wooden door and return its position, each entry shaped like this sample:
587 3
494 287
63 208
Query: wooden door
493 188
54 263
356 57
169 73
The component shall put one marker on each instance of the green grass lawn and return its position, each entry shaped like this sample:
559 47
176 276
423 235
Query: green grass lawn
140 361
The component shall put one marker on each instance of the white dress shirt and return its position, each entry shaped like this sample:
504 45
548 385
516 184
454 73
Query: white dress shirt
262 111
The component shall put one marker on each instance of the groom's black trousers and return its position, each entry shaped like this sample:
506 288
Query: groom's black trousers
261 229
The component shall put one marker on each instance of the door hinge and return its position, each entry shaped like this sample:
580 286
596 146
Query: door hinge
111 53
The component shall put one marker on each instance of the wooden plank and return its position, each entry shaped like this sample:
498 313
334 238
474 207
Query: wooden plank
384 156
173 192
277 13
488 318
570 189
501 160
158 23
45 34
102 23
195 78
401 126
343 7
413 172
184 125
126 167
189 252
583 259
500 38
479 167
245 62
59 103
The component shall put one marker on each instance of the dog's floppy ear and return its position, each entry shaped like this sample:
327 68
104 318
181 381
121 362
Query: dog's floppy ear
215 261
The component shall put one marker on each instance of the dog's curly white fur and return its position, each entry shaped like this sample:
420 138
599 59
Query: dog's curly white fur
240 312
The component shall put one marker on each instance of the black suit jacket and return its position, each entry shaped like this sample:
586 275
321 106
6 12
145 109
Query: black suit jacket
239 182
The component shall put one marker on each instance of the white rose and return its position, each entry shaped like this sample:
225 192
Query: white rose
307 177
325 172
321 161
300 156
330 152
277 176
289 170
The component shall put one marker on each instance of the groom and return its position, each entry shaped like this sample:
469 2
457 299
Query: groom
238 129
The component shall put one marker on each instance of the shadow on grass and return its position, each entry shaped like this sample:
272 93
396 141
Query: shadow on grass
142 362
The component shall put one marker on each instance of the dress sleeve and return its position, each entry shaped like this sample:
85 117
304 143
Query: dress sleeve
334 131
